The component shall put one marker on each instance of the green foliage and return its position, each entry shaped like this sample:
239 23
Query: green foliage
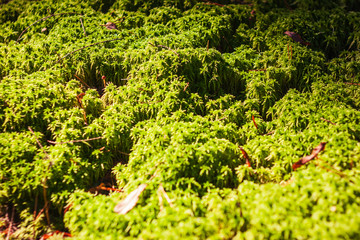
266 5
20 171
26 100
194 155
278 209
249 212
146 6
167 98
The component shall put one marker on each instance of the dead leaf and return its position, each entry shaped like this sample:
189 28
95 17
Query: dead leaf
101 188
49 235
310 157
130 201
110 26
296 37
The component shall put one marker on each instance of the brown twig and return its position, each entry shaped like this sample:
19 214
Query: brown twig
38 142
35 208
187 85
41 211
358 84
241 2
75 141
257 70
246 156
11 223
67 207
81 81
253 119
91 45
46 202
168 49
35 137
85 119
330 168
42 19
213 3
82 25
207 45
79 99
328 121
288 50
124 153
120 19
269 133
34 216
150 103
156 171
163 46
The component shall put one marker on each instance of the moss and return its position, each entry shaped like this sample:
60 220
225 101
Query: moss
167 98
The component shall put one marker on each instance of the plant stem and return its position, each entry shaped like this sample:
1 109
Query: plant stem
327 121
75 141
11 223
82 25
358 84
163 46
38 142
116 39
42 19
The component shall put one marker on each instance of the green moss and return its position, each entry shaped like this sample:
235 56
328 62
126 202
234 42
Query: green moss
250 212
167 98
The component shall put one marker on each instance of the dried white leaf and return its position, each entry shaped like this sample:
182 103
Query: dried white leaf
130 201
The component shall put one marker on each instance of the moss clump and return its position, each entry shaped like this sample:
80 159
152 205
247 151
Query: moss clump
166 98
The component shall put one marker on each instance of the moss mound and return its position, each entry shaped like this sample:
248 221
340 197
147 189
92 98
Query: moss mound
210 104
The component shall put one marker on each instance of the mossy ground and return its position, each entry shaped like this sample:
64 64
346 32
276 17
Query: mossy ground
167 99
